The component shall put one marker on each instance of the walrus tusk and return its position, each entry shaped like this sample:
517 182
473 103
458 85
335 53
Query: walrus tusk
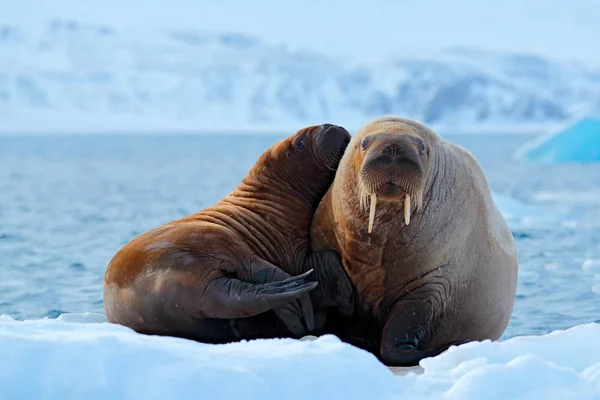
407 209
372 211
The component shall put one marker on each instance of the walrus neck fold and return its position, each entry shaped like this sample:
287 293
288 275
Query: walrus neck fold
301 197
441 164
288 208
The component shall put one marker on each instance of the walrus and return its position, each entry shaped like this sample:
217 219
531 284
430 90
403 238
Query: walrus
242 268
433 261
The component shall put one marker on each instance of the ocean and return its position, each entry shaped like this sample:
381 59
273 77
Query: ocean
68 203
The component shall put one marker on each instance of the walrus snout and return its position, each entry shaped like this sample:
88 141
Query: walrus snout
392 170
392 164
331 143
401 150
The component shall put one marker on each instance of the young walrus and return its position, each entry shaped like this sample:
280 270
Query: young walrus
241 269
432 259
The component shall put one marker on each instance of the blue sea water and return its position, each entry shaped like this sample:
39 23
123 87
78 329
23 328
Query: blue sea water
68 203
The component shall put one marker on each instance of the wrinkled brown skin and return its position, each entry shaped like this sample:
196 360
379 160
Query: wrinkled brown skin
448 277
241 268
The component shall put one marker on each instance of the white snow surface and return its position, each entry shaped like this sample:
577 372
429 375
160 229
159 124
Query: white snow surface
62 74
577 142
80 356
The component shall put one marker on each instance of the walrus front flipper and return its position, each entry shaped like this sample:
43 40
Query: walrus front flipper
404 330
335 287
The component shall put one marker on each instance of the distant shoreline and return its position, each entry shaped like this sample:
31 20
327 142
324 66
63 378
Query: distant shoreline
143 127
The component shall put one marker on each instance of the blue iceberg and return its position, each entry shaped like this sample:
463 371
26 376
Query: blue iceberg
578 143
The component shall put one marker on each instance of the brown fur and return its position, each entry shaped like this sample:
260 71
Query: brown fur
448 277
225 273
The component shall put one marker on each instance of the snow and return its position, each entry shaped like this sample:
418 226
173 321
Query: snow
65 72
559 365
82 317
81 356
579 142
56 359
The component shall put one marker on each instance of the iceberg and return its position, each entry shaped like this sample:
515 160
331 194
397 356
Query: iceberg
79 356
577 143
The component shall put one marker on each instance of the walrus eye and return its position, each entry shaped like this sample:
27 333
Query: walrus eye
422 147
300 143
363 144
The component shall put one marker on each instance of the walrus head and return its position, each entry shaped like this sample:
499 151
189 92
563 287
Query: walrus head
391 157
322 145
304 164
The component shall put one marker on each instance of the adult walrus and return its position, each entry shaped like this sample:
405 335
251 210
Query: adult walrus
239 269
432 259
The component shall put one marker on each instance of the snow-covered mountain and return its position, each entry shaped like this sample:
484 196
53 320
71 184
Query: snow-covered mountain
66 74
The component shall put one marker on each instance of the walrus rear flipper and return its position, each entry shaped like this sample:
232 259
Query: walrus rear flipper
232 298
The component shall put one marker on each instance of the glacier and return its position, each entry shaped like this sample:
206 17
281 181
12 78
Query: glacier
64 75
577 142
82 356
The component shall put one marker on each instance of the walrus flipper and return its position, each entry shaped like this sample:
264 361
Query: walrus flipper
228 298
407 326
403 333
292 313
335 287
232 298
